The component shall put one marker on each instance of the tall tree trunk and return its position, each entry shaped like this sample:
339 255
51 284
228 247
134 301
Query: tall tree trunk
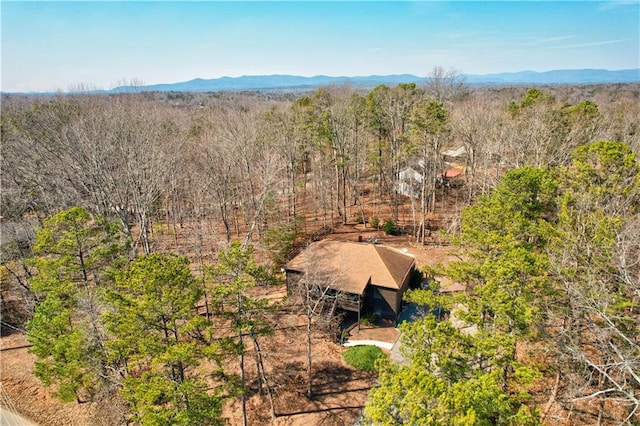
309 358
243 395
262 376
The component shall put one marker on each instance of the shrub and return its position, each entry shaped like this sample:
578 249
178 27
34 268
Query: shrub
374 222
363 357
369 319
389 227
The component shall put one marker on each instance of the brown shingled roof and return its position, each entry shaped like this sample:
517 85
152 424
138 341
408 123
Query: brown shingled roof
353 265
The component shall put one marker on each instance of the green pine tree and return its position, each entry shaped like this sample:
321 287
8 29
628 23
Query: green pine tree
159 340
76 255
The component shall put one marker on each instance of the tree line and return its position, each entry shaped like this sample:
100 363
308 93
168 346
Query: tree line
255 162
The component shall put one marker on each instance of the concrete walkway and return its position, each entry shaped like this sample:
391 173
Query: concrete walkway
9 418
393 348
410 312
383 345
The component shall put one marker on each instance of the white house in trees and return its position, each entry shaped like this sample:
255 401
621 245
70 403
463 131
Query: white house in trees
409 182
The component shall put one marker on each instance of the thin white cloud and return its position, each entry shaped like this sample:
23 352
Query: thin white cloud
592 44
552 39
527 41
616 4
455 36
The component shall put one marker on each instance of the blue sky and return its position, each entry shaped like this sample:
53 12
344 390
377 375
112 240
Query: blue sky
56 45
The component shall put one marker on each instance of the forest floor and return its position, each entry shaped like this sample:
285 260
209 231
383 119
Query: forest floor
23 393
339 390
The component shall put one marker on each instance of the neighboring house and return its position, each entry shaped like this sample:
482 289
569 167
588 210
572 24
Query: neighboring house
409 182
409 179
451 178
372 277
455 154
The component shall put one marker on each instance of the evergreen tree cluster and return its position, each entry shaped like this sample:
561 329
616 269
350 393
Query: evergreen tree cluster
108 324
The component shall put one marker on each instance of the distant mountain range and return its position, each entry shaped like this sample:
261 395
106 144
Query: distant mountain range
293 82
581 76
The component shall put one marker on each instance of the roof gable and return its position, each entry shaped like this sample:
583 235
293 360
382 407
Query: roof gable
396 264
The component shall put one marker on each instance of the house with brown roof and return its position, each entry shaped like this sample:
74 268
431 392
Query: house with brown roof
372 277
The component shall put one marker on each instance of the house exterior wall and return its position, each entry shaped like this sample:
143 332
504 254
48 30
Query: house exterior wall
387 302
347 301
393 298
392 304
408 182
291 279
382 301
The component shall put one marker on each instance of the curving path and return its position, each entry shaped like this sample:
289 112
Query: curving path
383 345
9 418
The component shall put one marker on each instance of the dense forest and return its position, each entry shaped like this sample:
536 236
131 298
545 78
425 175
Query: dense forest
122 213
